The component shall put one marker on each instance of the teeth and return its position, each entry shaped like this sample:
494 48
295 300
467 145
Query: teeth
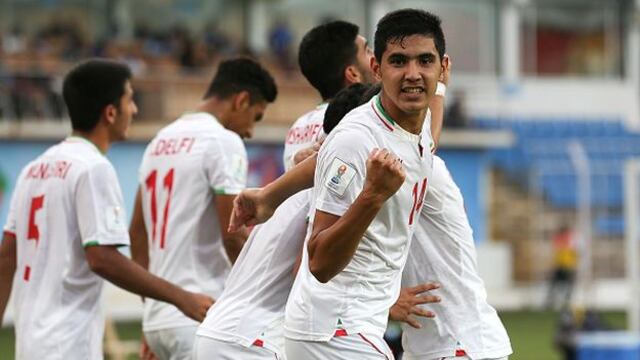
412 90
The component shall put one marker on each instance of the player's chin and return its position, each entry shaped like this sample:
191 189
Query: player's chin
413 107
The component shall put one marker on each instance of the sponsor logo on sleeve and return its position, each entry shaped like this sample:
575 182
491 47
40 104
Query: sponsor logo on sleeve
115 218
239 168
339 177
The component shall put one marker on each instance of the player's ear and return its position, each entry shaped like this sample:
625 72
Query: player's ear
241 101
352 75
375 67
109 113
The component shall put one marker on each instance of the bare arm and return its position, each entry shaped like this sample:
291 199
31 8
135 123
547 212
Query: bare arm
334 239
436 105
255 206
231 240
110 264
7 269
138 235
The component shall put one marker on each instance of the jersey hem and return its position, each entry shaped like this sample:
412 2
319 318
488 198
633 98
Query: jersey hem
236 339
485 354
168 325
323 337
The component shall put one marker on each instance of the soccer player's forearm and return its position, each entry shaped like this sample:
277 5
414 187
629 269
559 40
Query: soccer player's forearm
331 249
138 235
110 264
7 270
233 243
300 177
436 106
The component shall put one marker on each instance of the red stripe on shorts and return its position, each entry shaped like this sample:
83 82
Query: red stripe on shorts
373 345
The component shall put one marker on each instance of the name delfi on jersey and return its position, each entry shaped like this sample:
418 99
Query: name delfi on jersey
173 146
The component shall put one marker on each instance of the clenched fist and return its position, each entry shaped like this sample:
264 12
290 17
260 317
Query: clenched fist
385 174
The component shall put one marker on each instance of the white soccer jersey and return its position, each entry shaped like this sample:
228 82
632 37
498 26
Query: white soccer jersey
443 250
251 308
183 167
304 133
357 300
65 200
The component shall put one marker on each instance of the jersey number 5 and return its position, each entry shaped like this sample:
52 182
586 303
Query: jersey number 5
167 183
33 233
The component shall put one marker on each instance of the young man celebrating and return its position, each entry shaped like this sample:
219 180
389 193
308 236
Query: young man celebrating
361 229
331 56
189 176
65 223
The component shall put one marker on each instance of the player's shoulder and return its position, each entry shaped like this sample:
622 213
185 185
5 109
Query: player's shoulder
315 115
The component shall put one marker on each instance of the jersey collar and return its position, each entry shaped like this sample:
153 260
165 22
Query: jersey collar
389 123
80 139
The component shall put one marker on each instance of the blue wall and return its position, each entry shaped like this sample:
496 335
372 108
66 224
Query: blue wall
466 167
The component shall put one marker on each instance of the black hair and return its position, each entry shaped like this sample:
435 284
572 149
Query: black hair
399 24
242 74
346 100
91 86
325 51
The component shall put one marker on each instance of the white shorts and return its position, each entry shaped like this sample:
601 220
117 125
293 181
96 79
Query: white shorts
173 343
350 347
409 357
206 348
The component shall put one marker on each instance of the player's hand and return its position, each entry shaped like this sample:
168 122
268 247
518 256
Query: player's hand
385 174
249 208
194 305
408 301
303 154
145 353
446 70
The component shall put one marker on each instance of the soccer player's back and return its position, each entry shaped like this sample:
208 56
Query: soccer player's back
183 167
54 279
189 176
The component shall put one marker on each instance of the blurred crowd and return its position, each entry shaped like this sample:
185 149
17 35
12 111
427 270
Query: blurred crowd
31 64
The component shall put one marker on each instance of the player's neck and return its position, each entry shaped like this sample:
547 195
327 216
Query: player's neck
215 107
409 122
100 142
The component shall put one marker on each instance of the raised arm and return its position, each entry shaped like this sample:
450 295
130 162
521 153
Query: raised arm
334 239
436 105
255 206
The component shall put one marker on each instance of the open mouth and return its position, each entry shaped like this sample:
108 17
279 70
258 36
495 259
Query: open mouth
412 90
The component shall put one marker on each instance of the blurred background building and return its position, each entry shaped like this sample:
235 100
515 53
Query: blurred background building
543 114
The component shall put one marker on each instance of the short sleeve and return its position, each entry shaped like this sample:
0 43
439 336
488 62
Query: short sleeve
341 170
226 165
10 225
99 206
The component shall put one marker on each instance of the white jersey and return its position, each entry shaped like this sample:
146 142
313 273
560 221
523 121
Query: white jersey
65 200
251 308
183 167
443 251
304 133
357 300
